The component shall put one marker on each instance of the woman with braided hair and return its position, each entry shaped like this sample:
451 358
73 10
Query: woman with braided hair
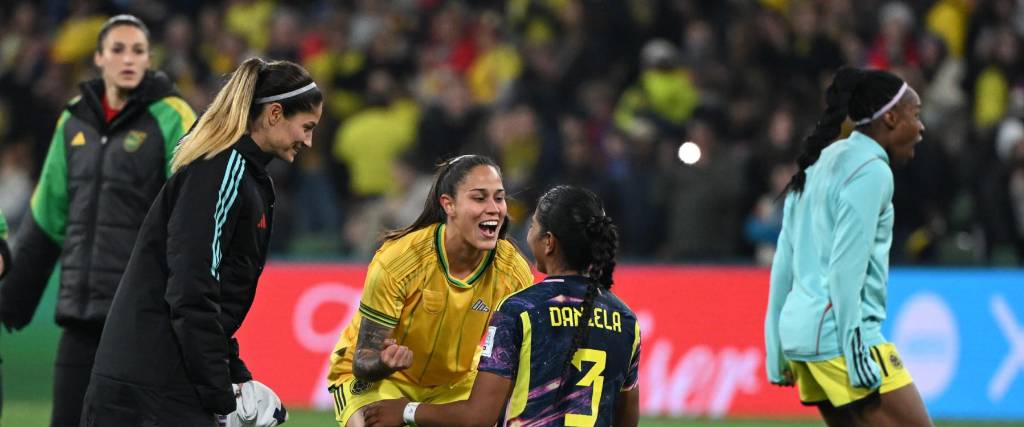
828 281
429 294
563 352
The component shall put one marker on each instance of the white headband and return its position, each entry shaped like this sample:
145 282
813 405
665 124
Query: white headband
452 161
887 107
272 98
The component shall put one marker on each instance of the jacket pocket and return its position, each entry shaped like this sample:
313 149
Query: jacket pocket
433 301
821 324
804 327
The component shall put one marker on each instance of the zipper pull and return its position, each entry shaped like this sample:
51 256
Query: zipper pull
103 139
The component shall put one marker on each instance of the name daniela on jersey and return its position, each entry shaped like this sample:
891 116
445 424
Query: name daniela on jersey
569 317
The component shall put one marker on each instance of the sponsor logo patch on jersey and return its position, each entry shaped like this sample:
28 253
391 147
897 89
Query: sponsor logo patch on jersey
479 305
489 341
79 139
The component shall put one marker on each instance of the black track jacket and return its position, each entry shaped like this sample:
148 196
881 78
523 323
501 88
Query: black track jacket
191 280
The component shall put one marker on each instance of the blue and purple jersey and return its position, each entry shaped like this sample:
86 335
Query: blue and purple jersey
529 340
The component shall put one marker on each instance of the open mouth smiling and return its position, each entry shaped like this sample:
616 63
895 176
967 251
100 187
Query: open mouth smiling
489 228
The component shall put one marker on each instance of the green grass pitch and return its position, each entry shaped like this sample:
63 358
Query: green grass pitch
22 413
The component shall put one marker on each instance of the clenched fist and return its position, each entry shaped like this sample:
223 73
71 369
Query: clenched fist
394 356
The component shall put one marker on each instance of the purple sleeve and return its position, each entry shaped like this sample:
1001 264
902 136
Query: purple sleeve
500 354
634 367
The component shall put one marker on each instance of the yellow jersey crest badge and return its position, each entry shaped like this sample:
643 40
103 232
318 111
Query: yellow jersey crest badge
895 361
133 140
360 386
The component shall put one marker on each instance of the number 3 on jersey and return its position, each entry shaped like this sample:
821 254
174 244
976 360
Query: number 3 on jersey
592 378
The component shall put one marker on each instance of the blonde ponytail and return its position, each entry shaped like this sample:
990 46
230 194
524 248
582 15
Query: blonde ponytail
226 120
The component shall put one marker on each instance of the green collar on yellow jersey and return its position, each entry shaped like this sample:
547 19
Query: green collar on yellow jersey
442 257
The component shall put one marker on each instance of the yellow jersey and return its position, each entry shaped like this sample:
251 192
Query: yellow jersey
440 318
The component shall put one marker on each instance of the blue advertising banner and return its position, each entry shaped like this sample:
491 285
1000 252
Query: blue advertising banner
961 334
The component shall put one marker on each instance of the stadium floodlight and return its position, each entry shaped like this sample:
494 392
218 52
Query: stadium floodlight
689 153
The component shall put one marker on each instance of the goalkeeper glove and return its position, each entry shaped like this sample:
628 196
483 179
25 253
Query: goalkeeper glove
256 405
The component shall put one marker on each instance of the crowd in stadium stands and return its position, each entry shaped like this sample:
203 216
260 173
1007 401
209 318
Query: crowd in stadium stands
593 93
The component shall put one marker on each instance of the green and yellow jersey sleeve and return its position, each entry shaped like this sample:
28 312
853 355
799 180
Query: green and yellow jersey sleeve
50 200
383 298
3 226
175 118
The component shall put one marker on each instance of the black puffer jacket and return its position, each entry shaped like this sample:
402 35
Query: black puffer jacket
97 184
191 280
5 251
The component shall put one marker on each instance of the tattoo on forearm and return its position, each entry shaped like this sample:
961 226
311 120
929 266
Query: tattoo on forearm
366 364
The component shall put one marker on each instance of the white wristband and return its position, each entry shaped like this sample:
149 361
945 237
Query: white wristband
409 414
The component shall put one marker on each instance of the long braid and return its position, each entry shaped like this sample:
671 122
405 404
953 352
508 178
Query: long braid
579 337
588 240
603 237
837 100
856 93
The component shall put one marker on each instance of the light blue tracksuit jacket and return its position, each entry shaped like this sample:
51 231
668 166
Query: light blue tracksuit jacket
828 280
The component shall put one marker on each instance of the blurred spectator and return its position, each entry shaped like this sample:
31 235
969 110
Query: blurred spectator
894 45
446 125
27 103
778 146
370 141
663 94
75 39
574 90
1016 195
944 104
1003 195
702 199
925 191
367 22
513 139
317 218
371 220
15 181
283 42
20 30
496 64
815 53
1000 50
339 68
250 19
178 57
581 166
390 51
948 19
764 223
632 164
448 44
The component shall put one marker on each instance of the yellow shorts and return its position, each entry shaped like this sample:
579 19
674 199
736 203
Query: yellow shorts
828 379
354 394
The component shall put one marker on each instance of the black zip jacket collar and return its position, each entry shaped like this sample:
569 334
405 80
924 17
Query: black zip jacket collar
252 152
154 86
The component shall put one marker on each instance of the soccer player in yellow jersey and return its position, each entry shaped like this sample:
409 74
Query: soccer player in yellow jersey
429 294
564 352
